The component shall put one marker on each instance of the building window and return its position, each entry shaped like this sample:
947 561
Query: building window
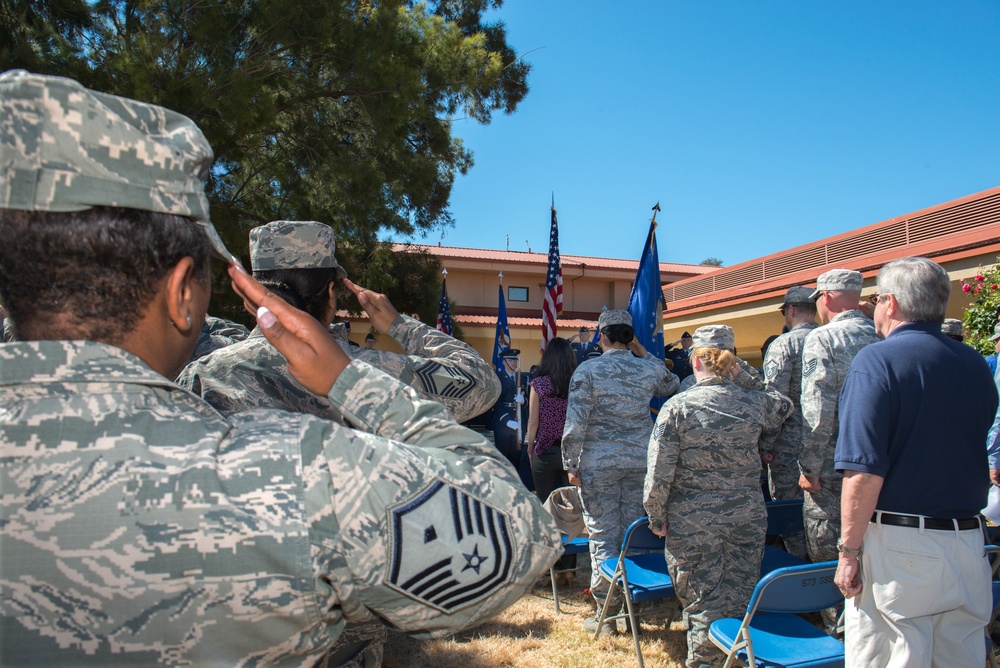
515 294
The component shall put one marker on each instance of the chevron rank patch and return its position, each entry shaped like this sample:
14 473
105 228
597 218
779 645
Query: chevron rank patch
438 379
449 549
771 370
808 367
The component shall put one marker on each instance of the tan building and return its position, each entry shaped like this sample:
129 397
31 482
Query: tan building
960 235
589 285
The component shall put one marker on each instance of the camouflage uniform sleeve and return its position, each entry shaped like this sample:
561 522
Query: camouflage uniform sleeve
438 366
820 393
578 409
420 523
777 378
748 376
664 451
668 384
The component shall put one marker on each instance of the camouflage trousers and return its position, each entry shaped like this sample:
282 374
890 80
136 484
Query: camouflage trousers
612 499
783 483
821 513
359 646
714 563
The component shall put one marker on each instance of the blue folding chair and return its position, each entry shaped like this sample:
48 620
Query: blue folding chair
771 634
579 545
639 577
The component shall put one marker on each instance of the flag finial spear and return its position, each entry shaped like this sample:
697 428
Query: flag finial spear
656 209
501 276
444 272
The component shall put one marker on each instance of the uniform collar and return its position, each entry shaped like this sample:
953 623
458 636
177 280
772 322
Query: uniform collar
849 315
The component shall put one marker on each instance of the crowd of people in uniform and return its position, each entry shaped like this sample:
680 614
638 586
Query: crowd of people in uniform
180 489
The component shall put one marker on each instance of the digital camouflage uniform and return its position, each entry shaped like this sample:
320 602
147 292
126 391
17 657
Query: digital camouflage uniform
605 440
703 486
826 356
783 373
749 377
218 333
247 540
140 527
253 374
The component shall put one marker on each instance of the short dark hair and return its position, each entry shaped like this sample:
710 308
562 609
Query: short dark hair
305 289
90 274
620 333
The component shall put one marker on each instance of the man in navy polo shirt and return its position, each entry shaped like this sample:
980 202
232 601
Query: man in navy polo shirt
914 483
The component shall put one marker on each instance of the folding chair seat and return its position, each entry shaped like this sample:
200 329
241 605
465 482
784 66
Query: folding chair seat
639 574
771 634
578 545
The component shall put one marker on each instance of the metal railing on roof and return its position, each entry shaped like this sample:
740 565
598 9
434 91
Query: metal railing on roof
844 249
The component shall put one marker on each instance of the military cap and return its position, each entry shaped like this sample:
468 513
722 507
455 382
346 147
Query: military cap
369 337
294 244
66 148
686 335
714 336
996 332
797 294
594 352
615 316
951 327
838 279
509 353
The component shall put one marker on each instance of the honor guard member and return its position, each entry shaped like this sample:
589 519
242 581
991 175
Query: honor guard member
679 356
606 436
826 355
138 525
504 423
702 488
783 373
297 260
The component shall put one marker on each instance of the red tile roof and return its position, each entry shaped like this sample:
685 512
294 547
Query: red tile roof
542 259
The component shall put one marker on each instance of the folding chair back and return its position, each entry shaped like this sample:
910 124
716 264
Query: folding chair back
797 589
784 517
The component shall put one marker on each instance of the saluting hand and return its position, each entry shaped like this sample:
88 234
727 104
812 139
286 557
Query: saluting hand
378 307
314 357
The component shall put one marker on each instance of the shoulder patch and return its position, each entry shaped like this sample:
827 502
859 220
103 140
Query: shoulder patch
442 381
449 549
771 370
658 431
808 367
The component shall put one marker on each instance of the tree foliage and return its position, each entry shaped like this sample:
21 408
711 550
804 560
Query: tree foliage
981 315
710 262
338 111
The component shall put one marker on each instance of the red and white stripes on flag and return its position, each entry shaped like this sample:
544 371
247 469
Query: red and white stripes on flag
552 304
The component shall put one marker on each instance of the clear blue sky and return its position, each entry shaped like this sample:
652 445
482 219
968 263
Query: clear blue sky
757 125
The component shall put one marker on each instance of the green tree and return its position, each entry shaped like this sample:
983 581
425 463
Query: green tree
338 111
710 262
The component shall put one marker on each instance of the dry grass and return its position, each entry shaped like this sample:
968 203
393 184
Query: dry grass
530 634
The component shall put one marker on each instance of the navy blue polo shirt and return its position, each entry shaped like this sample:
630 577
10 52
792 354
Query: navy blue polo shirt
915 410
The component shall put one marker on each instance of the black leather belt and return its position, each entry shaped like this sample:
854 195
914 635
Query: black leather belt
936 523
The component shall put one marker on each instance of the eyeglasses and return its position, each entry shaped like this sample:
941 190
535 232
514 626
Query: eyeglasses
877 298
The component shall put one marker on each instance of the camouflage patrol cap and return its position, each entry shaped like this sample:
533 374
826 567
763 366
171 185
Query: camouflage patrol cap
951 327
798 294
294 244
66 148
615 316
838 279
714 336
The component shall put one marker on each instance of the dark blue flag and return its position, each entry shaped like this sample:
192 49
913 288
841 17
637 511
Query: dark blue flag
645 304
502 339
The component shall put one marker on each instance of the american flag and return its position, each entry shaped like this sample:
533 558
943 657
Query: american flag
552 304
444 310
